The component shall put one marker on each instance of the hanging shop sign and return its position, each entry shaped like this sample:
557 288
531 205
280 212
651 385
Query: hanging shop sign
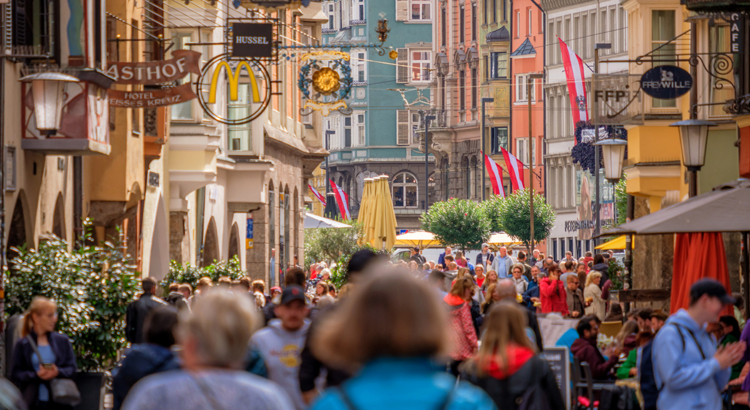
252 40
325 80
151 98
617 99
735 32
183 63
248 83
666 82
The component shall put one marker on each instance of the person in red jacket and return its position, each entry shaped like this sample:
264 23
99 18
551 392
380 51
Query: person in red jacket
462 328
552 292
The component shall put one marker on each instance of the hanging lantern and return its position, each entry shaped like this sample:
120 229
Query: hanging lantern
48 91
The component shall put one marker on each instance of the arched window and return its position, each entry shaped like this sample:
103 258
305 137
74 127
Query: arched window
405 193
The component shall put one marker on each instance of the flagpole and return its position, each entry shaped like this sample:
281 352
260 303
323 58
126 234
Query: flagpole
597 155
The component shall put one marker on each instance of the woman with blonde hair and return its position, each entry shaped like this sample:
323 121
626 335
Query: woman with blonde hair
463 331
31 373
593 293
492 296
507 366
489 280
389 335
214 341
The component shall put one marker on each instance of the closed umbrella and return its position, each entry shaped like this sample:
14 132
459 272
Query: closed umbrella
367 214
390 216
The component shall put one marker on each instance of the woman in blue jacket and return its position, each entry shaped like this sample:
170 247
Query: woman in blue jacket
390 334
31 374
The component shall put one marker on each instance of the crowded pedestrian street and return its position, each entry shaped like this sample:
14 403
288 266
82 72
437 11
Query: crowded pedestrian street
371 204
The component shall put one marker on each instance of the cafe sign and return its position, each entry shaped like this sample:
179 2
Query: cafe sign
666 82
183 63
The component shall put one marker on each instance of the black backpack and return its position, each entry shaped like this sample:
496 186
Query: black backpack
618 398
521 391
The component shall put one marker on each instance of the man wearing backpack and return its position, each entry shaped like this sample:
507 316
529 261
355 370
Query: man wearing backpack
689 372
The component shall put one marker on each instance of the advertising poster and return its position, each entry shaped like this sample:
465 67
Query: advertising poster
249 233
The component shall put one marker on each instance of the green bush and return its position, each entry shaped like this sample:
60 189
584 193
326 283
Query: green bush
330 244
187 273
92 286
516 219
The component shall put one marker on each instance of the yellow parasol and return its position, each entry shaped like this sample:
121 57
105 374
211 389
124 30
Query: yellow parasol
390 217
419 239
364 208
502 239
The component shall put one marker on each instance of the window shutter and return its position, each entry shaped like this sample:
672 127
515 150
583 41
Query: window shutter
402 10
402 66
402 127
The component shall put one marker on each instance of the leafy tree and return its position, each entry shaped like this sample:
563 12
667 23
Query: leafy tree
492 209
92 286
515 217
621 201
457 222
331 244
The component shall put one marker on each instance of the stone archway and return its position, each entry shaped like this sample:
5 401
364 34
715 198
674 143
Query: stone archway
210 245
58 219
19 233
234 241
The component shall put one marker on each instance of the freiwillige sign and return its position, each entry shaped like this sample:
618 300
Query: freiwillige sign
666 82
252 40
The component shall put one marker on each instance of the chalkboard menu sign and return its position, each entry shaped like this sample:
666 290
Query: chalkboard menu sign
559 361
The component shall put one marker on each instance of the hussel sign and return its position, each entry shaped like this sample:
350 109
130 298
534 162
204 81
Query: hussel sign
183 63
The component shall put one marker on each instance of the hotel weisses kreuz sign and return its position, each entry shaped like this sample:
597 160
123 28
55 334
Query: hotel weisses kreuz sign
183 63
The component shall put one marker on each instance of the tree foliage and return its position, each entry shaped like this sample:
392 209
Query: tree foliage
516 221
92 286
330 244
492 210
457 222
187 273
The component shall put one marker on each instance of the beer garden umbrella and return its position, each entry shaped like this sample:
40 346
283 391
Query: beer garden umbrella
421 239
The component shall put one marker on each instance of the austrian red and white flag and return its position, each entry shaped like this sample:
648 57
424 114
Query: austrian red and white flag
496 176
576 83
317 194
342 200
515 170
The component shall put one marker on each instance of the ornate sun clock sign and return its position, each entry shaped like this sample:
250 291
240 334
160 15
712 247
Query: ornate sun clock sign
325 79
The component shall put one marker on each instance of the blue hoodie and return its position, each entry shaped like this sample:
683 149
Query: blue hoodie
688 380
140 361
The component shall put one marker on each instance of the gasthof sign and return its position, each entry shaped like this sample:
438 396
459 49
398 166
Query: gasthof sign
252 40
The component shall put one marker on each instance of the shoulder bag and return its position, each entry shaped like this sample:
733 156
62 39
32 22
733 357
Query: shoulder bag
63 391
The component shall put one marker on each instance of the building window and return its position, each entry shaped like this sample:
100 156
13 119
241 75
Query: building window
498 139
494 11
420 66
414 124
182 111
461 26
331 17
10 168
358 10
360 67
445 27
361 129
420 10
473 22
662 31
518 24
484 17
405 192
521 95
486 71
718 42
462 90
474 87
530 17
347 132
239 136
498 65
35 24
522 150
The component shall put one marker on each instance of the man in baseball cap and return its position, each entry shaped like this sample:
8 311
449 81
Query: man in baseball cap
280 343
687 364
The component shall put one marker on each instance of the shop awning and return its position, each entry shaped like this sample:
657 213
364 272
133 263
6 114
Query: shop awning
419 239
614 244
725 209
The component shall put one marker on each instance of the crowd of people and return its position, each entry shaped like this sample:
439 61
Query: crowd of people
447 335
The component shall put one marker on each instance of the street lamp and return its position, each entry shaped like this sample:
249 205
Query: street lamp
48 90
613 155
693 140
597 208
484 139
